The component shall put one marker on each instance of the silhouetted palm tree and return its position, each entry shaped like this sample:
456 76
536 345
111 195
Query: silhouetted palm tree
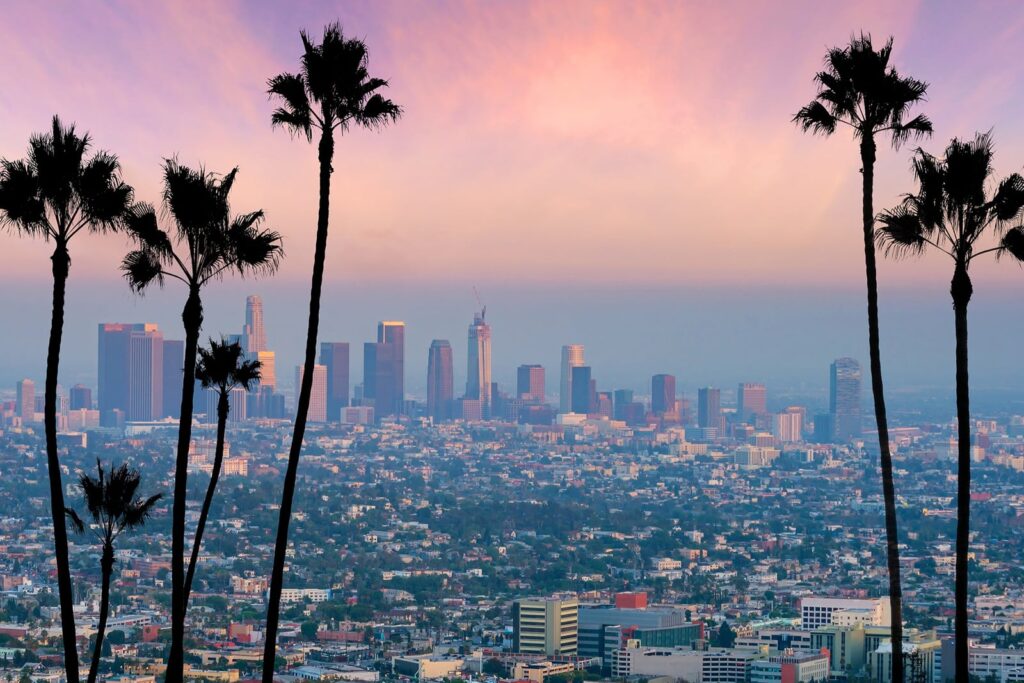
114 508
56 193
221 367
951 212
204 244
332 93
859 89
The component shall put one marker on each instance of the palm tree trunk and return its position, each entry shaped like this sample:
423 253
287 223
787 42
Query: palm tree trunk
192 318
961 290
222 418
892 547
107 565
326 155
61 263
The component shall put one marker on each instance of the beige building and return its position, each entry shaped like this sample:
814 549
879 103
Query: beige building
545 626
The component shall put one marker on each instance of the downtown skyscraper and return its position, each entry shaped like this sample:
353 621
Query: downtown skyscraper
530 383
751 400
335 357
844 399
131 372
384 369
663 394
318 397
709 408
253 333
440 380
572 357
478 363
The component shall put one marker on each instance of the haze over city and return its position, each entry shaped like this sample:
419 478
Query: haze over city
598 176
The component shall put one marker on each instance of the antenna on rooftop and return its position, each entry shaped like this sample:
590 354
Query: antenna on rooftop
483 309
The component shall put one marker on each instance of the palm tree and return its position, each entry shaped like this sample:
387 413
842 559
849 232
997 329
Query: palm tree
859 89
221 367
204 244
56 193
951 212
114 508
332 93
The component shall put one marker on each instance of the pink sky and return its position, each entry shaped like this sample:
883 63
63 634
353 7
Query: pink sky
614 142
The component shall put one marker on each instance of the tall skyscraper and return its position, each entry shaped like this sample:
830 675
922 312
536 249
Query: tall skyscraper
26 400
80 397
318 397
385 383
253 334
709 407
663 394
530 383
173 374
440 380
268 370
334 356
478 363
582 390
131 371
572 357
844 398
751 400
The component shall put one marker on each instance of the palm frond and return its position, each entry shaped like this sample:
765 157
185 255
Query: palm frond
1013 242
816 119
21 203
295 113
254 250
103 196
918 127
76 521
141 269
1009 198
901 233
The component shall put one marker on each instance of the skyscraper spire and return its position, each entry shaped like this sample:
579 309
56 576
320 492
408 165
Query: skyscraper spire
478 375
253 335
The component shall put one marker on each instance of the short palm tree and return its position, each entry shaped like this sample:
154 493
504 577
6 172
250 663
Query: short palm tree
953 212
332 93
56 193
204 244
860 90
222 367
110 498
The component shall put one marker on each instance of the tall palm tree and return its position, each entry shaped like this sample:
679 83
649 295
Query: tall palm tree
115 508
56 193
332 93
222 367
859 89
951 212
204 244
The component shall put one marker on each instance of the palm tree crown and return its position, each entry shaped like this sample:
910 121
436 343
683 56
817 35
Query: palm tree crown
952 209
222 367
333 89
211 241
56 192
111 500
859 89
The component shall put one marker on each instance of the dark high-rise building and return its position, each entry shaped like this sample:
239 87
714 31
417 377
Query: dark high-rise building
530 383
582 388
80 397
620 399
379 383
751 400
440 380
709 407
130 372
334 356
173 373
387 387
844 398
663 394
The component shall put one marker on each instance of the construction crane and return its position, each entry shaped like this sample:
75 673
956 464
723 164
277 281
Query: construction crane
483 309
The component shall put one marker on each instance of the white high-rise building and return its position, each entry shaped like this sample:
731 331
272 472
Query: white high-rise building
572 357
318 397
478 371
817 612
254 337
788 427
